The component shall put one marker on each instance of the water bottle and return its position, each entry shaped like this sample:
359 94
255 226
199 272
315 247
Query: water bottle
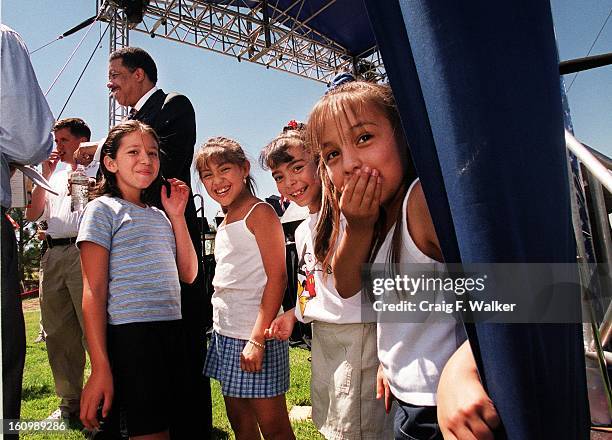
79 188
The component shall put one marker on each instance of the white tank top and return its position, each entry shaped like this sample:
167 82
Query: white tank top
413 354
239 279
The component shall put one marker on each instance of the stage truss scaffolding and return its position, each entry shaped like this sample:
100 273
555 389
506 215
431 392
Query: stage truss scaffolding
119 37
254 31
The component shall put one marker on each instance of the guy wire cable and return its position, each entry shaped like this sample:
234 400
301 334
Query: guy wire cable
592 45
93 21
59 37
70 31
83 72
69 59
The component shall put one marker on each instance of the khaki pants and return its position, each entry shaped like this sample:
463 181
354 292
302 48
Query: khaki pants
343 383
61 290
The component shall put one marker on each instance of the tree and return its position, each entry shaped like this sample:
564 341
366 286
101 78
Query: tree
28 246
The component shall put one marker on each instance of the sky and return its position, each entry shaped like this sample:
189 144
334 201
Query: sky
246 101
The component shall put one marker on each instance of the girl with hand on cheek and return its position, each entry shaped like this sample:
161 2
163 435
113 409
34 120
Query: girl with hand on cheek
357 132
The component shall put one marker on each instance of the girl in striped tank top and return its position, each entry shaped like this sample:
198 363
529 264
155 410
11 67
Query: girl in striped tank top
249 282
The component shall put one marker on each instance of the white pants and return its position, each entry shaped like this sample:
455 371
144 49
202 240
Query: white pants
343 383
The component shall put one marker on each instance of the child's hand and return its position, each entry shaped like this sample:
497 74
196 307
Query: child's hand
360 200
282 327
179 195
382 388
464 408
99 388
251 358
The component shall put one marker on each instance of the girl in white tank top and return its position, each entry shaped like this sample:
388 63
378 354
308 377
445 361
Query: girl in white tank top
250 280
366 168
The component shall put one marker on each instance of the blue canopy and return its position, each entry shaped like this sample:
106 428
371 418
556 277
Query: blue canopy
343 21
478 88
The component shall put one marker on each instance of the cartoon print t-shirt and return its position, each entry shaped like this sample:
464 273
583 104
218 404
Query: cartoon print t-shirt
317 299
307 266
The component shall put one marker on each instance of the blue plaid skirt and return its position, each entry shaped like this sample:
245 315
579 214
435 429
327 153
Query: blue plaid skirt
223 364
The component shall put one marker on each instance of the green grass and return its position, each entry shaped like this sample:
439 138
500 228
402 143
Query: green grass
39 399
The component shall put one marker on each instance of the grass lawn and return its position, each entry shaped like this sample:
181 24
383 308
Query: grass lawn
39 399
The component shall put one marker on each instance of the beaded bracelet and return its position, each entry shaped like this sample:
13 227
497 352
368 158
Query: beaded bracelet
257 344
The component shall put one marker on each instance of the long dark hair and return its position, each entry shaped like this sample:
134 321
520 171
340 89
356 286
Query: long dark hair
108 183
353 97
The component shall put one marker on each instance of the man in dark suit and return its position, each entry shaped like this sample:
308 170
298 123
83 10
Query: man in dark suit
132 75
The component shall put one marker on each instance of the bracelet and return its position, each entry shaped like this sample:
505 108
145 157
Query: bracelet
257 344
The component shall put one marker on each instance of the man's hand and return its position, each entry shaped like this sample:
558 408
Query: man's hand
49 165
85 153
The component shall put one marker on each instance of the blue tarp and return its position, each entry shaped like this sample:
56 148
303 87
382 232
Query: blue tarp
477 84
343 21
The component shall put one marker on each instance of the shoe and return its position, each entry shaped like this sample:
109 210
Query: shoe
59 414
62 414
90 434
40 338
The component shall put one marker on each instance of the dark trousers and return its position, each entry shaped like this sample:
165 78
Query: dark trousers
194 399
416 422
13 327
192 417
194 407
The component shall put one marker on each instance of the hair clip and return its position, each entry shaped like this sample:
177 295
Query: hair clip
293 125
339 79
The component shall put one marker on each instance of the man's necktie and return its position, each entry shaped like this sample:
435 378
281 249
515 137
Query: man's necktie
132 113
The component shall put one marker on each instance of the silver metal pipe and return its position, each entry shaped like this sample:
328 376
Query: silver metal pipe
593 355
601 225
589 161
605 160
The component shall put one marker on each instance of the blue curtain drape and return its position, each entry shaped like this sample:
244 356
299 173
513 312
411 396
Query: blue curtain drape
477 85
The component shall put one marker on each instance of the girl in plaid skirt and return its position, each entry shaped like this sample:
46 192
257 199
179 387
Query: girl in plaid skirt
250 280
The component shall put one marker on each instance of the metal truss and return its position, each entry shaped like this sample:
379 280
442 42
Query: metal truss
119 37
255 31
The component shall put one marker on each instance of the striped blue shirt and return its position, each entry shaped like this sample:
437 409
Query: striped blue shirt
143 283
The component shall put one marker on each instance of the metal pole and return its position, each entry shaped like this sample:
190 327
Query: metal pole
589 160
601 225
119 38
201 221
